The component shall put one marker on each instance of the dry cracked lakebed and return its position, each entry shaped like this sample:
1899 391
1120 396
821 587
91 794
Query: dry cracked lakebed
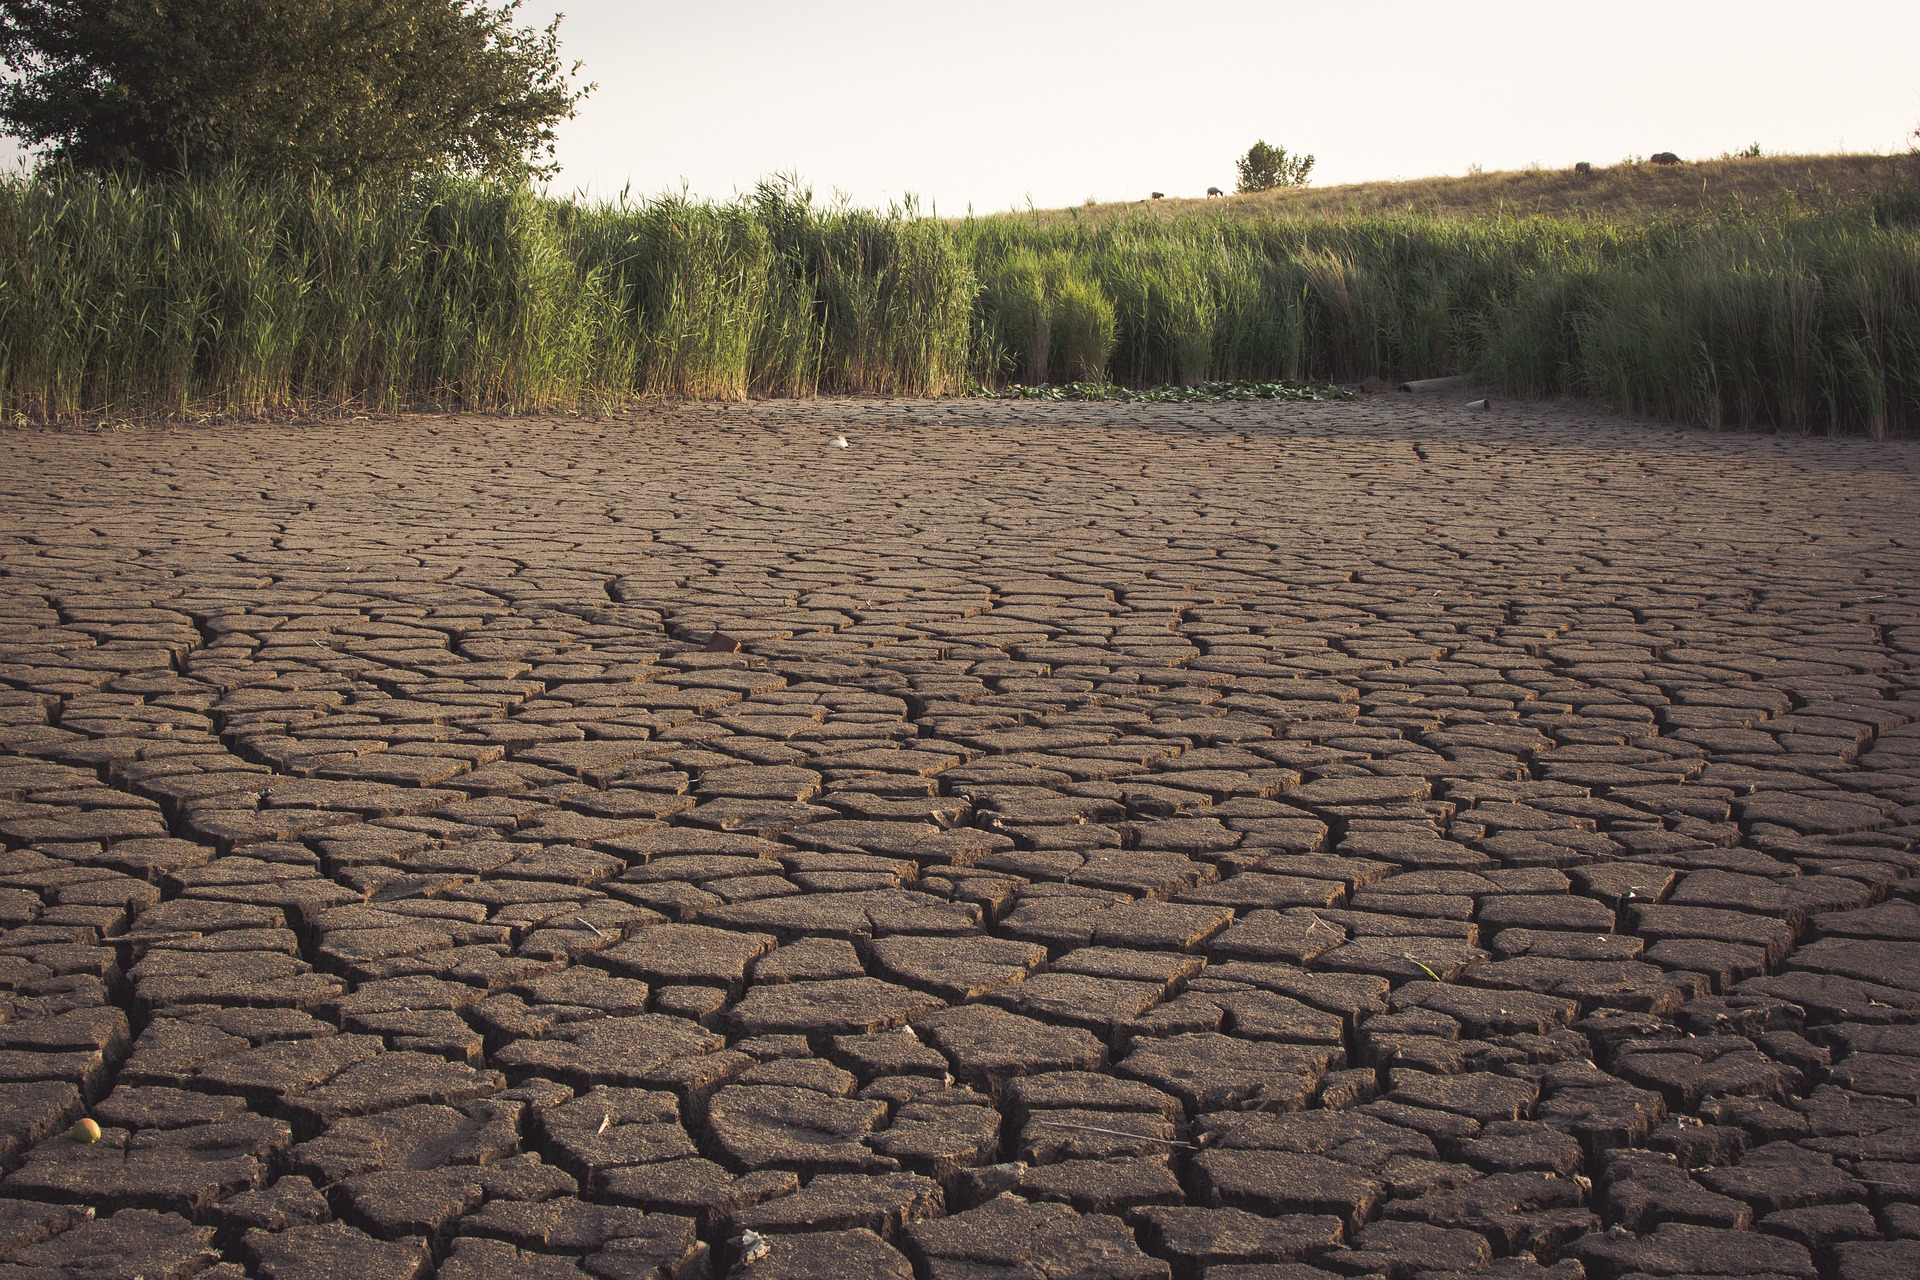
1036 842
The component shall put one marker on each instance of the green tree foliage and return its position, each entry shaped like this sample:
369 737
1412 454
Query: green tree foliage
362 90
1263 168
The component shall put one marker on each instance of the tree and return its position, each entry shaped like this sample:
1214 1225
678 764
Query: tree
1263 168
378 90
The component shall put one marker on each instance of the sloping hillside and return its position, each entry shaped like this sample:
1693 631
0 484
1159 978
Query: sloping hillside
1615 191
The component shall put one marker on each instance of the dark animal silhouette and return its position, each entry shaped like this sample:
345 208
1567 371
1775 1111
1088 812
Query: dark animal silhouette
1584 166
1214 191
1663 157
1159 195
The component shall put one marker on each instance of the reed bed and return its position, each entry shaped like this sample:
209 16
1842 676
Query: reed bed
179 297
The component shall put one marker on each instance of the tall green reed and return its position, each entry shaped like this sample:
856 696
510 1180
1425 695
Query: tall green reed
210 295
893 292
1047 317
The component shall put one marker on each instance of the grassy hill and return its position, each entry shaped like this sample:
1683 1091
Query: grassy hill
1621 191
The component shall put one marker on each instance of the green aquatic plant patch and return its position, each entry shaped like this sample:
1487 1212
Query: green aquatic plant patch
1198 393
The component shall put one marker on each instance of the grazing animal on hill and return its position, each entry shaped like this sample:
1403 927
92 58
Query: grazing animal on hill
1214 191
1583 166
1159 195
1663 157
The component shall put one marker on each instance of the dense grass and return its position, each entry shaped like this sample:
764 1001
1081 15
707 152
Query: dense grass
210 296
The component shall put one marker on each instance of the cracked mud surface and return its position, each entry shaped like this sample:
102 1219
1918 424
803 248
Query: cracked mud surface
1246 842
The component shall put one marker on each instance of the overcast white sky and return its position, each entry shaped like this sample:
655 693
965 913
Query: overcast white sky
993 102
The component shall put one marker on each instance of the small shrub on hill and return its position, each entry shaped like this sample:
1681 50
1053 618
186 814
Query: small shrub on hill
1264 168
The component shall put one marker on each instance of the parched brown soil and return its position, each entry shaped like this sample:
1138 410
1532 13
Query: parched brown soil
1251 842
1620 190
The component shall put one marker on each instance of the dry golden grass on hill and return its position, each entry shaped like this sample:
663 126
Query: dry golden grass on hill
1613 191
